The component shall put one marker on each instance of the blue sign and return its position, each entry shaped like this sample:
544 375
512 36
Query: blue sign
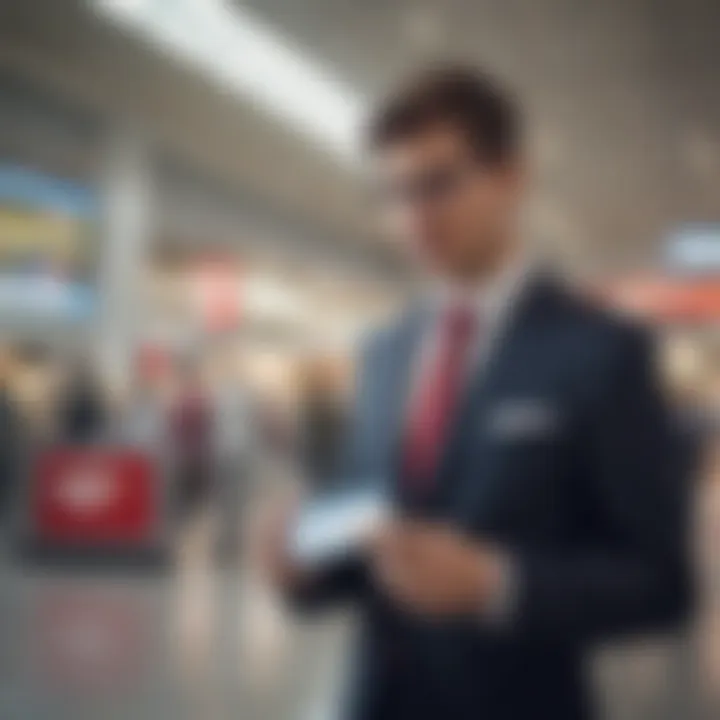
694 248
48 247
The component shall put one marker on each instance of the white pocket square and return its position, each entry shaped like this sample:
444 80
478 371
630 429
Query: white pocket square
523 419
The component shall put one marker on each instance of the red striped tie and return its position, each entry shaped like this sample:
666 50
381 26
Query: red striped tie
436 397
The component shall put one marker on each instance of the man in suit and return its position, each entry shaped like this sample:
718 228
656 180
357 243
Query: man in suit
522 434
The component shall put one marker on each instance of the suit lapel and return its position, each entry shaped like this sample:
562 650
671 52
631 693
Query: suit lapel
402 355
509 355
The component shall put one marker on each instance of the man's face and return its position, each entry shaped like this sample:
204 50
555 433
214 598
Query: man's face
452 212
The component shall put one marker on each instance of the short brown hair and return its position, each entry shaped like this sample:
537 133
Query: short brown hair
454 95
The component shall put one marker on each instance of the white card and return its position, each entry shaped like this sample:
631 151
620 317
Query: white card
336 525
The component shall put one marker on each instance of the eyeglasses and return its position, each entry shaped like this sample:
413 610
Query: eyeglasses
431 185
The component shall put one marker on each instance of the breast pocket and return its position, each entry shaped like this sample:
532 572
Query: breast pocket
513 484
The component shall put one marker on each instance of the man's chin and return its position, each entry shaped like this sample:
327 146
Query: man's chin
444 267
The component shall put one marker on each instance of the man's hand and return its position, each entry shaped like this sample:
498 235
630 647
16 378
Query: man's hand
433 570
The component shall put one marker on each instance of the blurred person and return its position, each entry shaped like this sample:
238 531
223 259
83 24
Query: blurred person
522 434
322 423
235 434
82 413
144 417
278 423
190 431
11 438
690 387
708 507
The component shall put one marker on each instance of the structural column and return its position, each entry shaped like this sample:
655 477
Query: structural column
127 188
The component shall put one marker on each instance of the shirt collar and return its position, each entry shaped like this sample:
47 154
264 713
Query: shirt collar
492 298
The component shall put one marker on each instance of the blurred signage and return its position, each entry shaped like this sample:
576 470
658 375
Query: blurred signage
48 250
666 299
95 495
152 362
216 287
694 249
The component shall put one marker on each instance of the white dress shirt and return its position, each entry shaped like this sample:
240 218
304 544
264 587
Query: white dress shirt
492 302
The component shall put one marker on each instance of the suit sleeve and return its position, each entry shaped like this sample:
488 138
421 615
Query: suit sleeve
347 578
636 577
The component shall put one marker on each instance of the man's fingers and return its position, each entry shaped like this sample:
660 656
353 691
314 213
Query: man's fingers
397 580
401 535
409 591
430 569
401 572
387 540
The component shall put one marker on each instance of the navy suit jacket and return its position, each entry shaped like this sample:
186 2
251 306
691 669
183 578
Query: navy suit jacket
591 504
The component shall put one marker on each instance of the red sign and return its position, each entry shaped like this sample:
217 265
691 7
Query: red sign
217 293
95 495
667 299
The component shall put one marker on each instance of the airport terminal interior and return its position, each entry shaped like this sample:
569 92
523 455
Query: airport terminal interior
187 249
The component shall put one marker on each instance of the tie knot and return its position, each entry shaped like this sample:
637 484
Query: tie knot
459 321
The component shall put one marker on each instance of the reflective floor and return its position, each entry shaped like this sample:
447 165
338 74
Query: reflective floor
205 643
200 642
